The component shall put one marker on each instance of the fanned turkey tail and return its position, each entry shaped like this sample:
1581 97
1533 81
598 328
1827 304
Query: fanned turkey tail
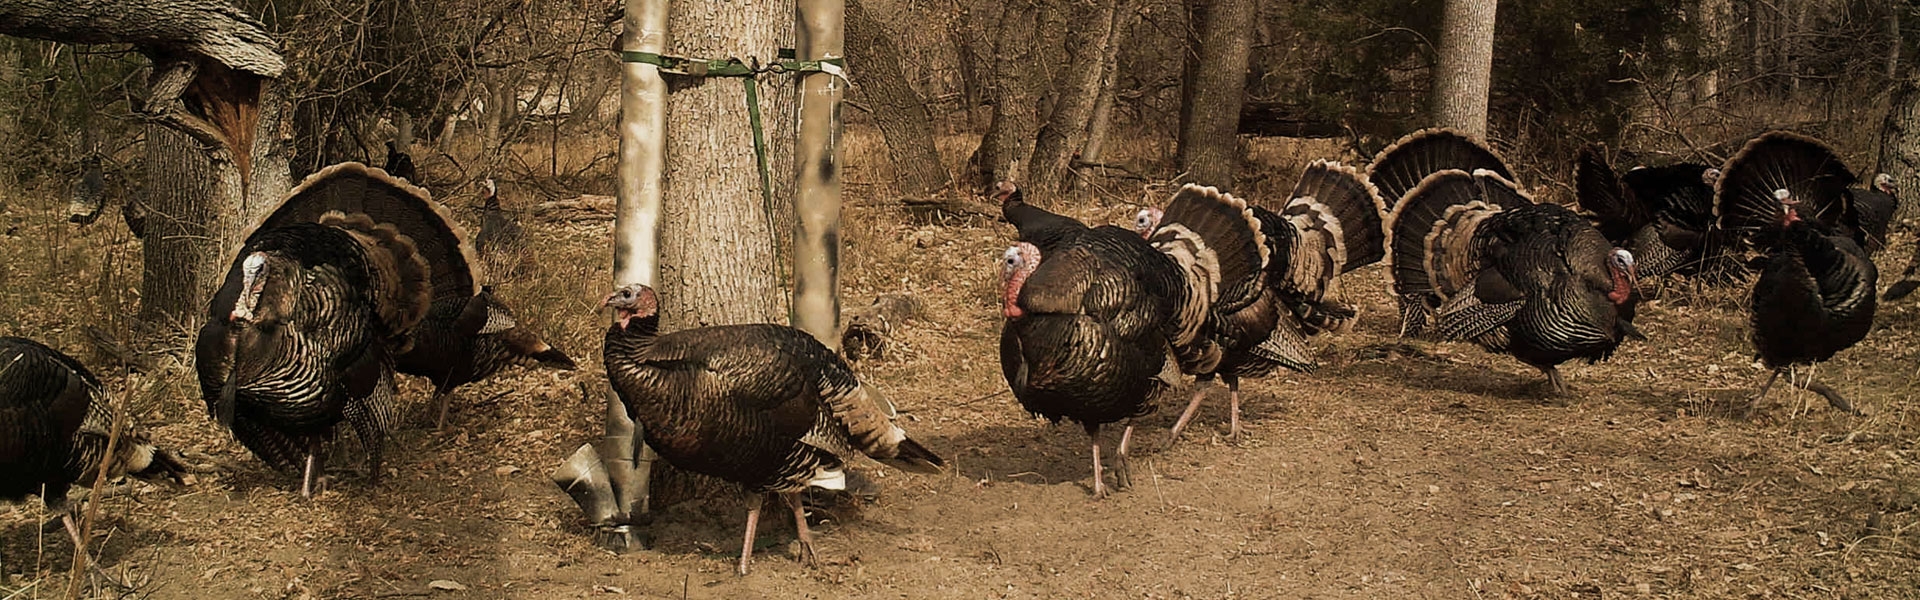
350 188
1337 202
1809 170
1430 238
1402 166
1216 241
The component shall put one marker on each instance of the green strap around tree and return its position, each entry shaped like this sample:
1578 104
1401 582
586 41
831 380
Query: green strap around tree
748 73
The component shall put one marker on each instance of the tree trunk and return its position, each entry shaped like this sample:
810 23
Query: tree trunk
201 210
1900 144
220 158
1100 125
974 37
1464 72
1213 85
717 245
1092 36
1716 25
1004 150
899 111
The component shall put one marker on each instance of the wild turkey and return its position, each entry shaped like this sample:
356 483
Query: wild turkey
89 192
1089 323
1330 225
1035 225
765 406
501 239
462 341
1815 294
1401 167
1533 280
399 163
54 425
327 290
1874 208
1663 215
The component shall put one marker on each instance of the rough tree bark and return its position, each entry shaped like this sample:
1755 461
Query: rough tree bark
1900 144
1464 72
1219 42
899 111
200 211
717 245
1094 152
1091 36
213 83
1009 140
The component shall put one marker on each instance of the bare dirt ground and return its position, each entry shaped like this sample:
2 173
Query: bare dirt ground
1399 469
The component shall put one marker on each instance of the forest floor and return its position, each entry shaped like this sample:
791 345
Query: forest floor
1401 468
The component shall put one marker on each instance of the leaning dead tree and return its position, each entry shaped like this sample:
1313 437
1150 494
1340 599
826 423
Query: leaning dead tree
214 151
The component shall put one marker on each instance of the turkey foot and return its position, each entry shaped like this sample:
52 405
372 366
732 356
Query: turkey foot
1556 385
1123 470
1755 400
800 529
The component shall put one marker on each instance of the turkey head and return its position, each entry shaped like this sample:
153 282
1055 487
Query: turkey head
1148 220
1016 265
1620 266
633 301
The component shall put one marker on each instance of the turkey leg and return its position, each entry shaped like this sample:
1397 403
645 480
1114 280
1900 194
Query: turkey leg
753 522
1123 471
1833 397
310 480
442 399
1555 382
1755 400
1199 393
800 528
1099 483
1233 401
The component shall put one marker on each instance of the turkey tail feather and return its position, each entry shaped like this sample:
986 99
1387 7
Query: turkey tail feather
403 279
1227 232
1354 205
1287 347
915 458
1402 166
1598 189
356 188
1808 169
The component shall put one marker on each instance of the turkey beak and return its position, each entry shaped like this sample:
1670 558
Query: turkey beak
620 315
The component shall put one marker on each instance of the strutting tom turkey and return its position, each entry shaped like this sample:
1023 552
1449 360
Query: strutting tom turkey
1090 322
1536 281
764 406
1330 225
328 289
54 425
1815 294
